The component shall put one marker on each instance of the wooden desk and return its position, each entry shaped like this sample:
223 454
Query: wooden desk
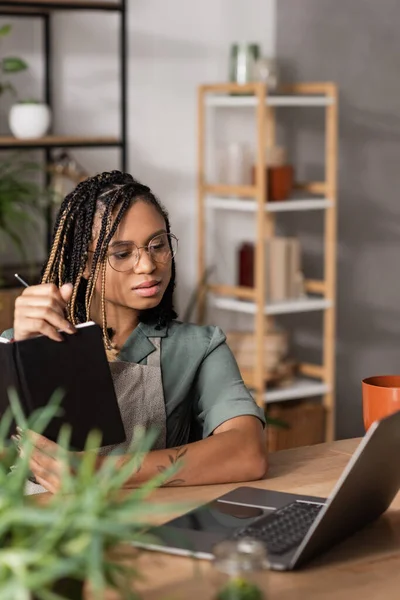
365 567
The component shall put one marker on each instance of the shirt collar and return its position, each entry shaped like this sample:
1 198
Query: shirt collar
138 345
153 331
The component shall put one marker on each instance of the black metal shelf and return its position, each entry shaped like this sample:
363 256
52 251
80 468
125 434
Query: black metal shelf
44 9
40 7
59 141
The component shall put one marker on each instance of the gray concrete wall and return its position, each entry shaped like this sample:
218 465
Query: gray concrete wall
356 44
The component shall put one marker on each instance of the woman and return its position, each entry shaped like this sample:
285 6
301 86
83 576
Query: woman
112 261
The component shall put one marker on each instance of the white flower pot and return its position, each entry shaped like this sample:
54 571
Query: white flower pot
28 121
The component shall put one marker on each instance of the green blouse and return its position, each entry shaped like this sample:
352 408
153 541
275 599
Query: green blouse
201 380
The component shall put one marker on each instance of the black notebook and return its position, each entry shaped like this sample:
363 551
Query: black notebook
37 367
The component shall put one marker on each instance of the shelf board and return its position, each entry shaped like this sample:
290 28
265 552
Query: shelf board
292 205
308 304
245 293
29 7
228 101
58 141
250 101
239 191
301 388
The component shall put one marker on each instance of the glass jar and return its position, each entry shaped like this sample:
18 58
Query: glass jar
240 570
233 164
266 70
243 58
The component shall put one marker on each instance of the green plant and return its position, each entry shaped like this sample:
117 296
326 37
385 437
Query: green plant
21 199
75 535
238 588
9 65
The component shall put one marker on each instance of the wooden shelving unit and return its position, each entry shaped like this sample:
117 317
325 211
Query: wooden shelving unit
316 379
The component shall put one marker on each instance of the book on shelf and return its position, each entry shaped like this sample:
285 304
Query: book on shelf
284 278
294 278
283 265
277 283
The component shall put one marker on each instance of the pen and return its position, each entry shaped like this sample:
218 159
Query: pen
21 280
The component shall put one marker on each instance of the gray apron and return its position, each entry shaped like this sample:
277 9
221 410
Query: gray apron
140 398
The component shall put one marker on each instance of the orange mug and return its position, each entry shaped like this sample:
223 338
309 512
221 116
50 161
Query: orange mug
381 397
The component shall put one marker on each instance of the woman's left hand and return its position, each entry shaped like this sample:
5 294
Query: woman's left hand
45 463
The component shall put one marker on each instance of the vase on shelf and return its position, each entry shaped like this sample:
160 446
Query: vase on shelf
280 174
233 164
29 120
243 59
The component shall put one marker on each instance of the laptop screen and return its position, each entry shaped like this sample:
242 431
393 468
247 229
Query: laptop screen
219 517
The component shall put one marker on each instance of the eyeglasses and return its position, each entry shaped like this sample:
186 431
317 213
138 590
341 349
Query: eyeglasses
161 249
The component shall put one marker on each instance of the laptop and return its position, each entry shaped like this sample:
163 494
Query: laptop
296 528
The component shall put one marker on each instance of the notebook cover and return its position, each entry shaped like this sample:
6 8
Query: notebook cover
8 376
79 367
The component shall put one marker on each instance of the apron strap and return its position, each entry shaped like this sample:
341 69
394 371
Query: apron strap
154 359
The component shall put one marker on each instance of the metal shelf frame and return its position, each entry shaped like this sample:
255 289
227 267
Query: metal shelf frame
43 10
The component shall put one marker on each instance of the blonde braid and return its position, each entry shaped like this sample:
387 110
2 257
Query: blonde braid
110 349
73 234
56 241
54 248
61 269
72 302
90 290
108 215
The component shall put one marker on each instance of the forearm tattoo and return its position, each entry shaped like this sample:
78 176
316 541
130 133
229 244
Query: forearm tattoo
179 453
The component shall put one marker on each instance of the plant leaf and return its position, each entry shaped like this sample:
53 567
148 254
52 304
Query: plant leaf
95 574
5 30
74 534
13 64
22 199
7 86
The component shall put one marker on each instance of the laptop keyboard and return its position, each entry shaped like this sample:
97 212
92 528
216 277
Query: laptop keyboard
284 528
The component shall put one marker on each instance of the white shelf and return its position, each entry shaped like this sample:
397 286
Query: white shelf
301 388
228 101
226 203
275 308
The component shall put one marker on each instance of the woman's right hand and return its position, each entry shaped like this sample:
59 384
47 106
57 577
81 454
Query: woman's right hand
40 310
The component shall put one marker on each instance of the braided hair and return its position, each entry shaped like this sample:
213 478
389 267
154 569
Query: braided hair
108 195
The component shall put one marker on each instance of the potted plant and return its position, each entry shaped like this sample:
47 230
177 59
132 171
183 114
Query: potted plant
21 201
29 118
20 197
10 64
50 549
